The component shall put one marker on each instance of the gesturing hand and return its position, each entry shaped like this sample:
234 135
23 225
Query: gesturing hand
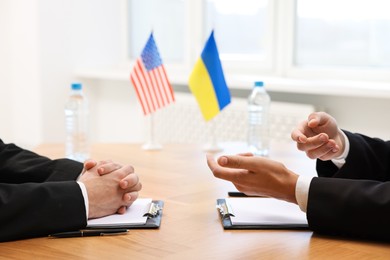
319 136
256 176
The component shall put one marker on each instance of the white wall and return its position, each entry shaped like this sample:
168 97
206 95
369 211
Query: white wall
21 106
74 33
44 42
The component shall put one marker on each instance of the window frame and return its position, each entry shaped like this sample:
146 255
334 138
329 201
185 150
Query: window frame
278 65
333 72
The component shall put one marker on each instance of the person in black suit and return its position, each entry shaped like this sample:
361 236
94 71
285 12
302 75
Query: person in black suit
350 196
40 196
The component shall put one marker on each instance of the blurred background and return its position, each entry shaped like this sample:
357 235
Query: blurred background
333 55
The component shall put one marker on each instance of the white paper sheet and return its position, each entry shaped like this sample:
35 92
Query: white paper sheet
266 211
133 216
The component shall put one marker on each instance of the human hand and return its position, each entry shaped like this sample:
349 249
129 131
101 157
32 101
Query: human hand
113 192
88 164
106 167
319 136
256 176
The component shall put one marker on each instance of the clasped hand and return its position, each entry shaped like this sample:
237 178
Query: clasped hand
111 187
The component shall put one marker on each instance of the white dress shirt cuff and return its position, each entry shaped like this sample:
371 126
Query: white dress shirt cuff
340 161
85 195
302 191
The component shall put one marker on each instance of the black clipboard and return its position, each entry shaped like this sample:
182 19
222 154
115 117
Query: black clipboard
154 216
153 221
226 212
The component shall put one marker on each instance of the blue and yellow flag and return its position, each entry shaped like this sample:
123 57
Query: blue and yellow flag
207 82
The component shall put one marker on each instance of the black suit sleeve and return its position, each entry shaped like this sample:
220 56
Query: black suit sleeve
38 196
354 200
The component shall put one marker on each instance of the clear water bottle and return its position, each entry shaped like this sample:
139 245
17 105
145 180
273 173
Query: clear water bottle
76 123
258 120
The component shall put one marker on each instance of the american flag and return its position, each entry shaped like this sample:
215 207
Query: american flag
150 79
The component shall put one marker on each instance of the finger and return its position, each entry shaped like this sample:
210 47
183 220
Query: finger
211 162
213 165
301 132
108 168
323 150
228 174
313 120
130 197
239 162
246 154
298 136
317 119
122 210
125 171
89 164
328 156
130 182
313 142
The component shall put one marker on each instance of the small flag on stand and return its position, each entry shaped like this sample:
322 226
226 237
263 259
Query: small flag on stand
150 79
207 82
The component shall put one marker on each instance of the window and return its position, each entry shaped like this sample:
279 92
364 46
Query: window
353 33
167 21
241 28
277 38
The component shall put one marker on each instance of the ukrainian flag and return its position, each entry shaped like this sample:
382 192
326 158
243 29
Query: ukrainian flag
207 82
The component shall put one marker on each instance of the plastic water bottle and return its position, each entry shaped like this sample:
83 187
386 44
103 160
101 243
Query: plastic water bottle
258 118
76 123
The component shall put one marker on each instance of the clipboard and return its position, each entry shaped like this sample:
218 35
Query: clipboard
154 216
153 221
227 213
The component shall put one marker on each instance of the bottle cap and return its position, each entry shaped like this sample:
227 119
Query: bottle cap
76 86
259 83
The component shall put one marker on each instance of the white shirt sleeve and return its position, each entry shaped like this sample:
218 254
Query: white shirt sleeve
85 195
340 161
302 191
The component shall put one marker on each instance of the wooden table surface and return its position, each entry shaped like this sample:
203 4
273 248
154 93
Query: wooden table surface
191 226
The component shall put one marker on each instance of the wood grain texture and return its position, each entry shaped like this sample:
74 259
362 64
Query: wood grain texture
191 227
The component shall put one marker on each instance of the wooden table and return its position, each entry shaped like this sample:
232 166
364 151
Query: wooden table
191 226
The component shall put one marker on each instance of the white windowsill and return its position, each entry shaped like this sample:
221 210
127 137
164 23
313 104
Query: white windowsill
274 84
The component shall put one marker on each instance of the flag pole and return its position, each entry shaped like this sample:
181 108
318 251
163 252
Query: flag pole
151 144
213 146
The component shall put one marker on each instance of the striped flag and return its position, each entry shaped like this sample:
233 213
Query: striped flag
207 82
150 79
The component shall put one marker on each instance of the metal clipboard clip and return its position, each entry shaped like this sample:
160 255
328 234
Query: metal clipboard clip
154 210
225 209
